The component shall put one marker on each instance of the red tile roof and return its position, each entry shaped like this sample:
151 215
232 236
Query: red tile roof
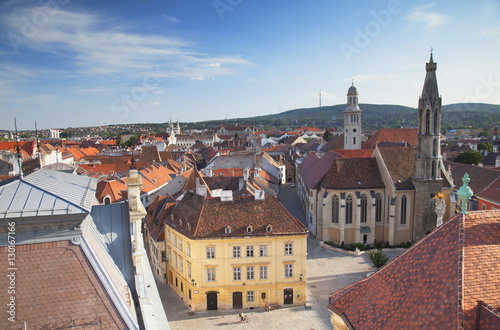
207 217
426 285
353 173
355 153
56 287
313 169
408 135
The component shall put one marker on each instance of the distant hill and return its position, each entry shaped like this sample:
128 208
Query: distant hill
376 116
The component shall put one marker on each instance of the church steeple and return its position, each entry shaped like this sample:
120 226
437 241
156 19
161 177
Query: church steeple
352 120
427 178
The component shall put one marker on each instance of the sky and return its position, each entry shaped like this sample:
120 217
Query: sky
72 63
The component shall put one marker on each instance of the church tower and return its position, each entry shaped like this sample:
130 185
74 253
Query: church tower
427 179
352 120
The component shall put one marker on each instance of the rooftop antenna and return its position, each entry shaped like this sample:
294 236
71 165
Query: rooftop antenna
38 145
18 150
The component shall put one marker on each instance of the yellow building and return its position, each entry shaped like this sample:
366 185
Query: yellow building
241 252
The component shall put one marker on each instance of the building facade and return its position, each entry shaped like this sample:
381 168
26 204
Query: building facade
234 253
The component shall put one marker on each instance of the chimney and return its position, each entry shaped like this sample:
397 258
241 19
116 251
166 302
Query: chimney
200 188
259 195
241 184
497 161
246 173
226 196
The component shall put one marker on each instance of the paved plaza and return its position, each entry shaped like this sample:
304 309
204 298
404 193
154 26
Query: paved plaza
327 271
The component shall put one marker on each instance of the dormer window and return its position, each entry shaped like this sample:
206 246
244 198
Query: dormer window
228 230
249 229
269 228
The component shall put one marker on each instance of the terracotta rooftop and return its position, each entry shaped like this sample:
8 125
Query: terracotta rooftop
353 173
400 162
150 154
480 177
437 283
408 135
207 217
58 289
355 153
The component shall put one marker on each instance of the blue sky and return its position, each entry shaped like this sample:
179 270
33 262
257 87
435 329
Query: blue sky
71 63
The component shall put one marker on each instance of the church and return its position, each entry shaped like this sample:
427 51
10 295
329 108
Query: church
393 196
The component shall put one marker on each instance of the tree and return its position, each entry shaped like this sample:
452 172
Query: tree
485 146
378 258
327 136
469 157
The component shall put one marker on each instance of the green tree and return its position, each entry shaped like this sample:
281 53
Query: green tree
469 157
485 146
327 136
378 258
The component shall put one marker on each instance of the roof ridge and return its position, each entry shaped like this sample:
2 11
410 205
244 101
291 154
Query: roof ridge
461 268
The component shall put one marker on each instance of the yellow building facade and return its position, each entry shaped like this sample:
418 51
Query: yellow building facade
250 259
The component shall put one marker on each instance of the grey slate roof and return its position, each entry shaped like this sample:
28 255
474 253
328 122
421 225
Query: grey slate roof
46 192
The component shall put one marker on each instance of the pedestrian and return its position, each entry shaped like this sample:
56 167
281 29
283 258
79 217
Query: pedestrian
242 317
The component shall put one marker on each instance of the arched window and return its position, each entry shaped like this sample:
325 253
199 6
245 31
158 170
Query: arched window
433 169
354 140
348 210
434 148
107 200
378 208
335 209
436 122
403 210
363 208
427 122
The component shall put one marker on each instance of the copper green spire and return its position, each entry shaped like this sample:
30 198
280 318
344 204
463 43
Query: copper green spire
464 194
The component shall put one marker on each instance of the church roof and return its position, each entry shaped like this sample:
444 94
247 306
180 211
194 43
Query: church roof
352 90
408 135
430 89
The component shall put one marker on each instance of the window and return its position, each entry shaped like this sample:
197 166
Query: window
210 252
163 256
250 296
335 209
269 228
188 249
179 242
168 235
249 229
427 122
236 252
288 249
250 273
181 265
176 262
236 273
210 274
250 251
348 209
107 200
228 230
182 286
363 208
378 208
188 269
288 270
169 252
175 241
403 210
263 272
263 250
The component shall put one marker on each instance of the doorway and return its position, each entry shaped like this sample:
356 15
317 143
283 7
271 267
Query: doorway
288 296
237 300
211 301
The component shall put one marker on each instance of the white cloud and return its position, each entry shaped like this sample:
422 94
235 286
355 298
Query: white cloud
490 33
200 78
171 19
430 19
84 40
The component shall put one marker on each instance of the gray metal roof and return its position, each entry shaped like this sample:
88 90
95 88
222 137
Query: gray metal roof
47 192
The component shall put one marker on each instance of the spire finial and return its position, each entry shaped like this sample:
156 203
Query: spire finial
352 81
464 194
